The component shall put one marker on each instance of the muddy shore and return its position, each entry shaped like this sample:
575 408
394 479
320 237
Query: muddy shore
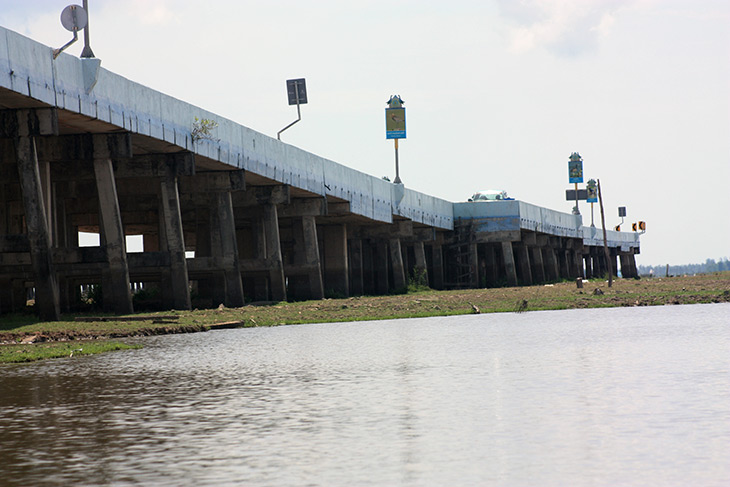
708 288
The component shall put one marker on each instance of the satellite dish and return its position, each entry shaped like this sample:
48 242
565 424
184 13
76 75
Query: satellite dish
74 18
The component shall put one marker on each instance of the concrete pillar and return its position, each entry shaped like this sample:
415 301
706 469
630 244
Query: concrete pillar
357 278
335 268
589 265
277 284
178 282
437 267
632 261
46 284
44 169
396 259
614 261
509 263
628 265
538 266
473 265
311 256
552 268
229 250
563 263
490 256
597 267
380 262
578 263
117 294
420 269
525 267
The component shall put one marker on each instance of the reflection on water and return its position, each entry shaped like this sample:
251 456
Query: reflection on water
637 396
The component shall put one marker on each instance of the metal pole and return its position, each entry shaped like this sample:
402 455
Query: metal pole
577 211
592 215
609 264
299 112
87 52
397 174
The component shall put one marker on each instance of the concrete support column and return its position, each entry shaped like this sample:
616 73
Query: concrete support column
178 282
44 169
473 265
311 256
437 270
380 264
420 268
490 256
632 263
564 263
357 278
628 266
396 258
509 263
229 250
336 269
589 266
614 261
525 273
277 284
538 266
597 267
552 268
46 284
117 294
578 263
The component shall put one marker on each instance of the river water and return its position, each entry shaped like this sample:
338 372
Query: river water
606 397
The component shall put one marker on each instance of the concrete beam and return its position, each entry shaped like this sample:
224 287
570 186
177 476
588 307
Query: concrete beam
299 207
262 195
400 230
28 122
213 182
498 237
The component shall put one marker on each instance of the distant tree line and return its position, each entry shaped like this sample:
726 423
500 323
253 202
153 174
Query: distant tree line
709 266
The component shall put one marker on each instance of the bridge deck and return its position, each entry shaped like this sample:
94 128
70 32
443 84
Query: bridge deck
93 99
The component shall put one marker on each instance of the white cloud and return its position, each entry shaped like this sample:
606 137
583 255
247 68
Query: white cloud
563 27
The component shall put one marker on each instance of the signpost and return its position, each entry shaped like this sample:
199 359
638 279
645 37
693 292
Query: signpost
296 90
575 175
592 196
395 127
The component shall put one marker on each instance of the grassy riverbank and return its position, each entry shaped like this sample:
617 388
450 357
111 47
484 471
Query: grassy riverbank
706 288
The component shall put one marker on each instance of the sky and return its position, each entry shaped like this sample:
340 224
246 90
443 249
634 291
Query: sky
498 93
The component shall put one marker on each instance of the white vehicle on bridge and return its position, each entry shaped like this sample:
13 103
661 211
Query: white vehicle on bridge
490 195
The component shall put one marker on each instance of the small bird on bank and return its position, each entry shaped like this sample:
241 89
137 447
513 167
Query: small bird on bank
475 310
521 306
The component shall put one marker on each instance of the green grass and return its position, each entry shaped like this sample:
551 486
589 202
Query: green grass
42 351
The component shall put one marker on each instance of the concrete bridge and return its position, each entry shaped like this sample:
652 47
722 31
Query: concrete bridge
231 217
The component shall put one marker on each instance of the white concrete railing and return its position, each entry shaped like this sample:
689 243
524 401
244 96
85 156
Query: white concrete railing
518 215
